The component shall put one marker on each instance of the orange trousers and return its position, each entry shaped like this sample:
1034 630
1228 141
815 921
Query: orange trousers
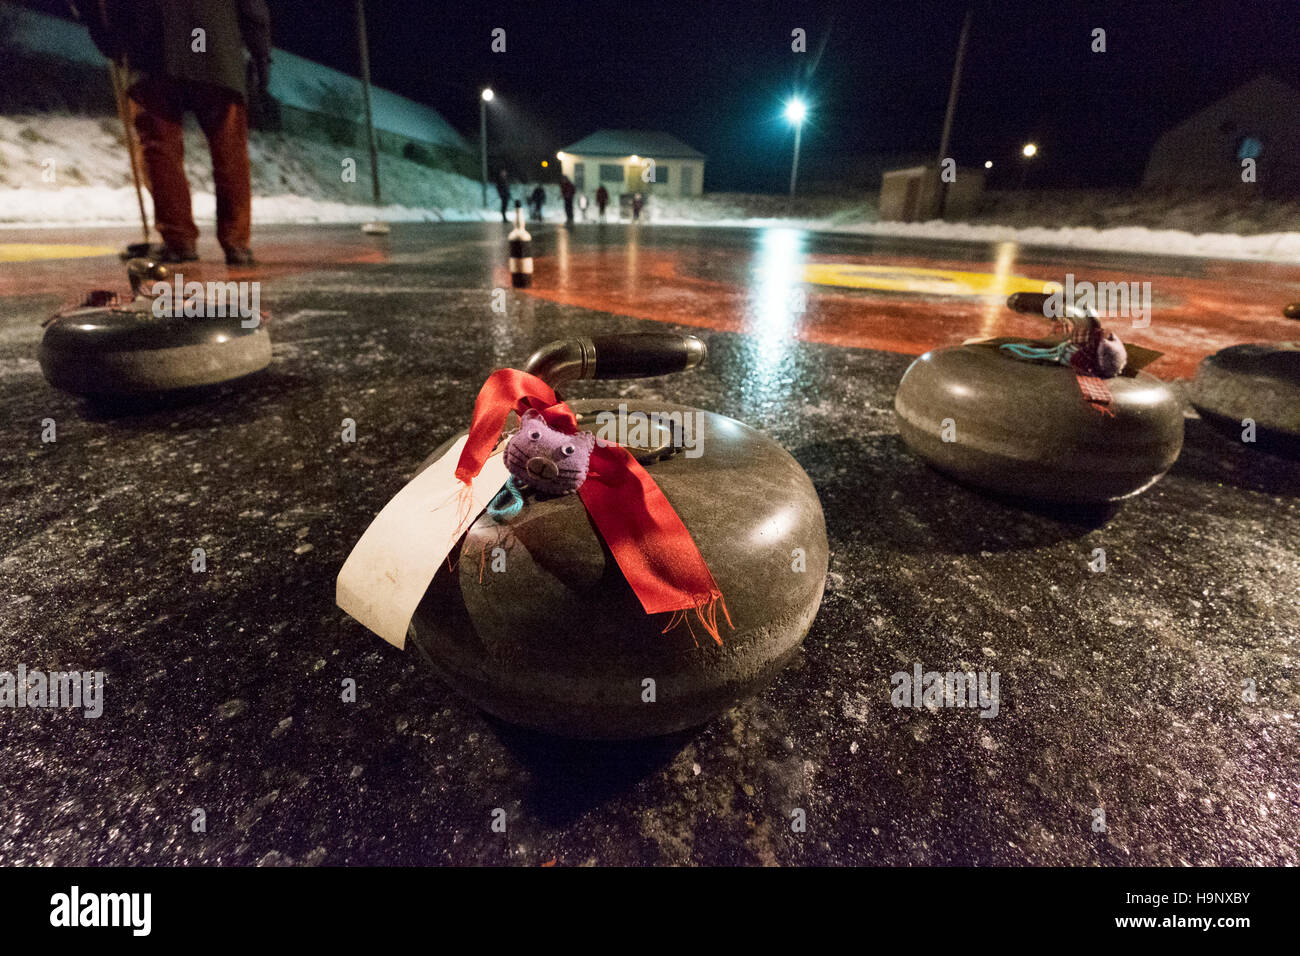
158 106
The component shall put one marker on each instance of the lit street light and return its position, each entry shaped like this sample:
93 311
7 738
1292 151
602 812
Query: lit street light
485 98
795 111
1029 151
988 164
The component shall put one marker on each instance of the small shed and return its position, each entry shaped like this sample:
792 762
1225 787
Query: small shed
917 194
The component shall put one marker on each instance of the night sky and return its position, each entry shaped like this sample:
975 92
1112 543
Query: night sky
876 74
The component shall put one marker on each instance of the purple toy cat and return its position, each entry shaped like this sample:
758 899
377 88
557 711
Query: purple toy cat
1111 355
547 460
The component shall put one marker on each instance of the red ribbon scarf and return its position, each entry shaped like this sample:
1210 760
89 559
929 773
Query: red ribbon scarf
647 538
1084 364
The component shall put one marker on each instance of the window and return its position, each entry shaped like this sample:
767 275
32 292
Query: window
688 181
580 176
1249 147
661 174
611 173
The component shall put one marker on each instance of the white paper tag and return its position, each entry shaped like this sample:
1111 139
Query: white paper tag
390 568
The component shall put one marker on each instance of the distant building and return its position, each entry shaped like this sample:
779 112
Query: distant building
1259 120
634 161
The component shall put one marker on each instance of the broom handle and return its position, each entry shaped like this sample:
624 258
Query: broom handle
123 113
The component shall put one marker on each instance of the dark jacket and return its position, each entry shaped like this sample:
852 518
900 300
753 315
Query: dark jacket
602 196
566 190
157 38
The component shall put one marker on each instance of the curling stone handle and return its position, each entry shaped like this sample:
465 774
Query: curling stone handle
631 355
141 270
1030 303
1035 303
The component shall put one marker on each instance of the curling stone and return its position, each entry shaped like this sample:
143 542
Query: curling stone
1292 311
1024 430
557 641
106 348
520 244
1259 382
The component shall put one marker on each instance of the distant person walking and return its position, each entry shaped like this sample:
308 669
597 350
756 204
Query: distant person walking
582 205
637 203
168 72
538 198
503 191
566 192
602 200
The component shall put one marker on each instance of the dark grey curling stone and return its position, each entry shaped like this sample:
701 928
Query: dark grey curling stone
1023 429
558 641
104 349
1259 383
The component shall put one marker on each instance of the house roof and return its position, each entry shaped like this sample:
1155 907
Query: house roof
1264 89
633 142
295 81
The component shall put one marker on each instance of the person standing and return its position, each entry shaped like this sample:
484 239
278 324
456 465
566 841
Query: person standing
189 55
602 200
503 191
637 203
566 192
582 205
538 198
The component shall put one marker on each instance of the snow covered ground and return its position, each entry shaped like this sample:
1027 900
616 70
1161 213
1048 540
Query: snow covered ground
1117 219
297 180
294 180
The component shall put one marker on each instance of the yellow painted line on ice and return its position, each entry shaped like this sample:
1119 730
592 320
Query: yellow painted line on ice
32 251
921 281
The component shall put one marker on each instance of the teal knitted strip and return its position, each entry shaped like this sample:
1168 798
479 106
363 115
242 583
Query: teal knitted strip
1059 353
507 503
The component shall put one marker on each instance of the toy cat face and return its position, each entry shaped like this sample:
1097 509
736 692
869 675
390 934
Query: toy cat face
1111 355
550 461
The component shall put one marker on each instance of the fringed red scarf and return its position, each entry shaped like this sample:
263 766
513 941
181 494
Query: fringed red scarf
648 540
1084 364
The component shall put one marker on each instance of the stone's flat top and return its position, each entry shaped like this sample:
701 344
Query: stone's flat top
1120 690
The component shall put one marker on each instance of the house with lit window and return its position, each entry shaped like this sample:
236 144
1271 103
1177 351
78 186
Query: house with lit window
1258 121
628 161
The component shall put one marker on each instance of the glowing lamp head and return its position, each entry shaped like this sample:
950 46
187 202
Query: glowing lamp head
796 111
988 164
488 95
1030 150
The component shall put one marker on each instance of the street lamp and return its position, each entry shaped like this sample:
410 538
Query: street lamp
795 111
988 164
485 98
1029 151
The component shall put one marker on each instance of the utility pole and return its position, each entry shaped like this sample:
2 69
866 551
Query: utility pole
365 96
939 185
482 143
794 167
484 98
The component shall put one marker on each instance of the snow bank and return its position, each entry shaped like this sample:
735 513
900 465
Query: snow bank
1276 246
89 206
297 180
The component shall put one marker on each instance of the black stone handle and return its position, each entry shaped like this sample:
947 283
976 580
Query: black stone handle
631 355
1030 303
142 269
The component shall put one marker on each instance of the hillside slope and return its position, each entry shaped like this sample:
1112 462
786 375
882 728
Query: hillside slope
294 179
